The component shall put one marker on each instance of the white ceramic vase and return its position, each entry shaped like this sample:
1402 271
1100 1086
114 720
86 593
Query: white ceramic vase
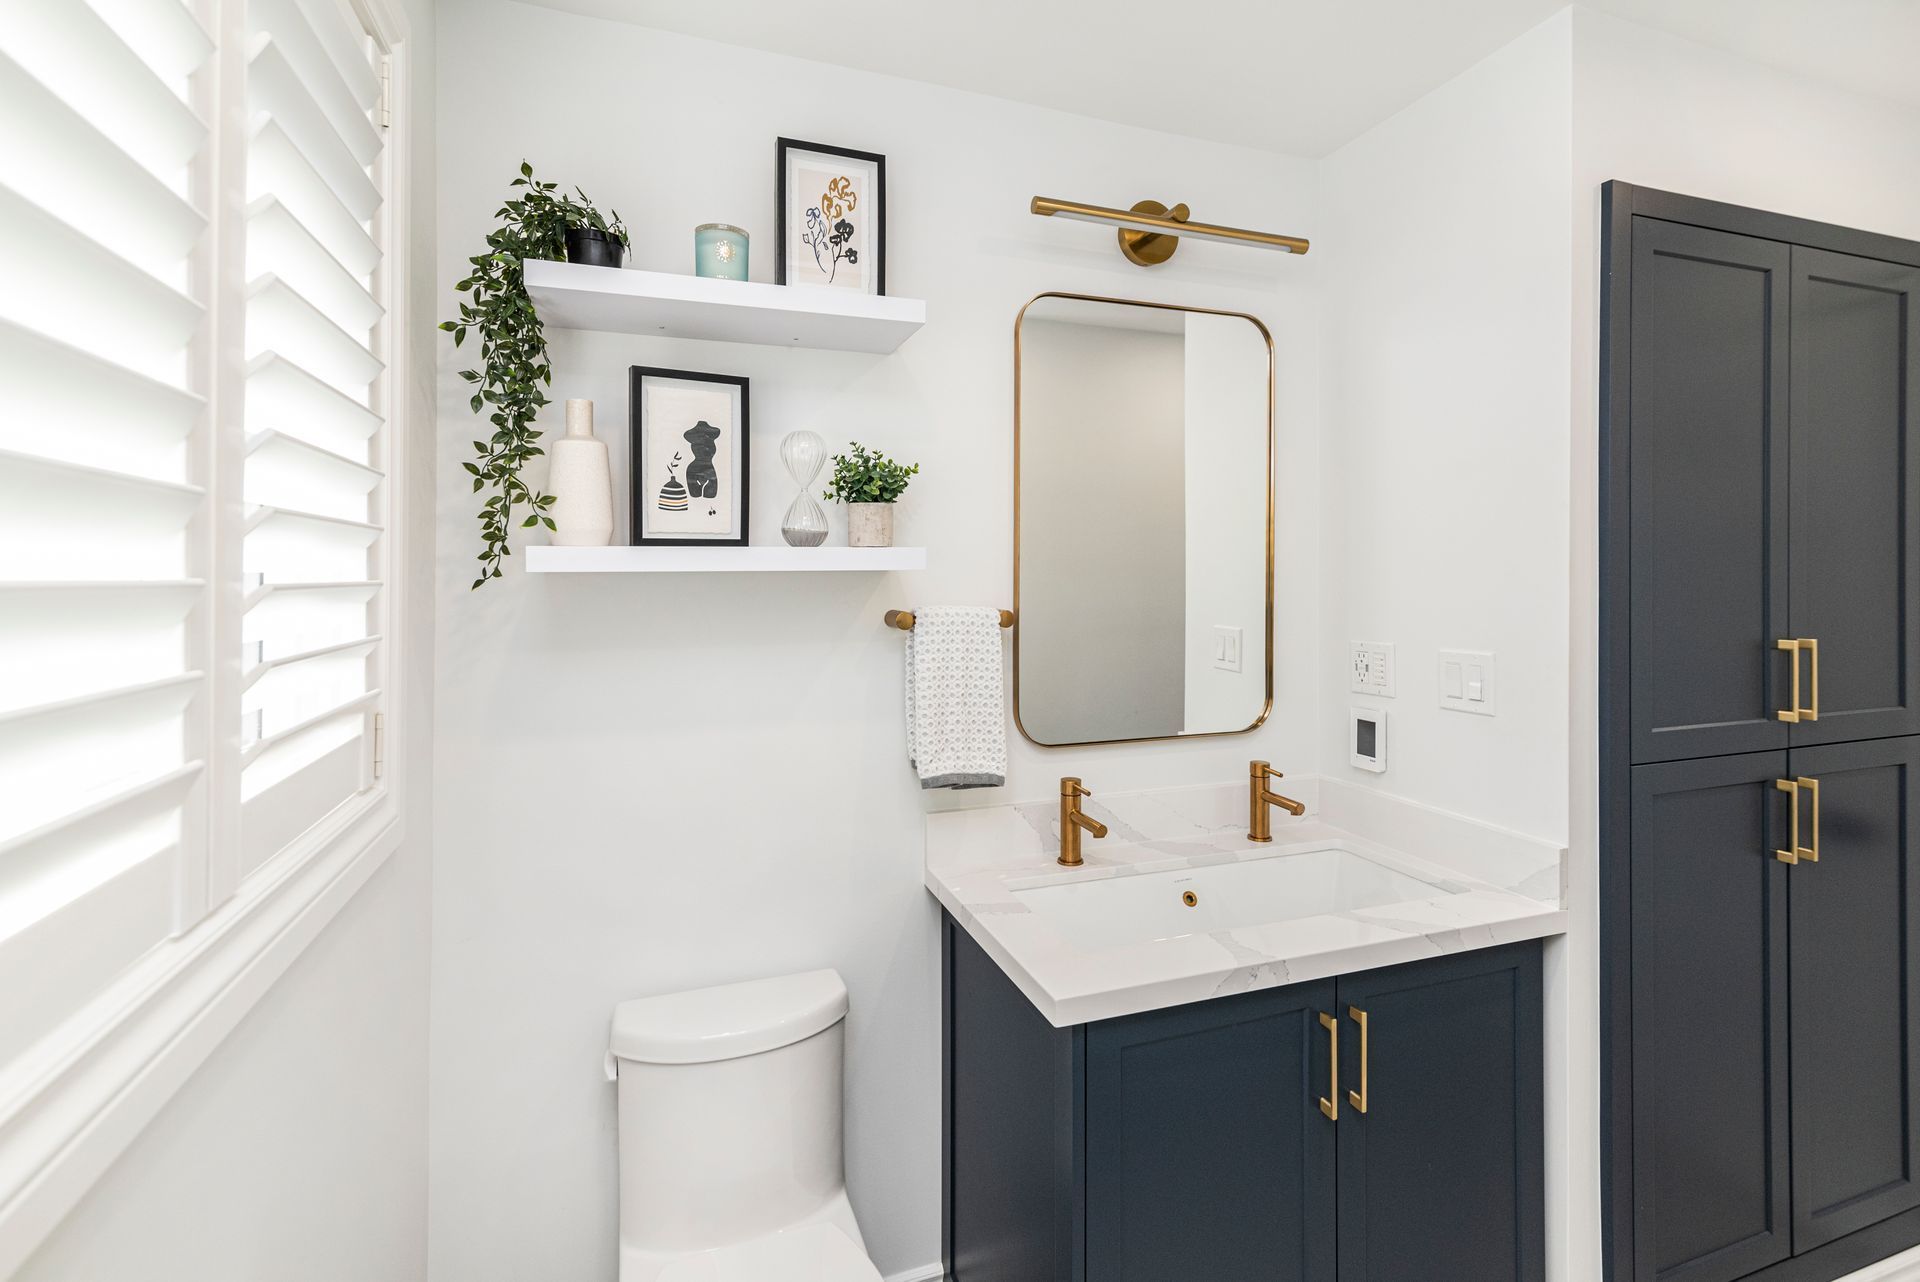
581 483
869 525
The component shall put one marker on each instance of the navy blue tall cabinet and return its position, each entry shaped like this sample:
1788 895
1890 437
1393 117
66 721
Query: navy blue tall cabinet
1760 721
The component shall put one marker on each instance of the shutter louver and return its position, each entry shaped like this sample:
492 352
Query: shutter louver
104 528
314 483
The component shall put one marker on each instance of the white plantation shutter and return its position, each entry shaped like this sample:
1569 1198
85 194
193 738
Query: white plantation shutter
104 520
314 417
193 456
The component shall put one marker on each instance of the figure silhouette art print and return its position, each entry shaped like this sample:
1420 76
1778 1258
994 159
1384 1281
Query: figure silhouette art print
690 458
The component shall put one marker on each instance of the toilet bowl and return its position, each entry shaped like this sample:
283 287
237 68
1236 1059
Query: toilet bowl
731 1163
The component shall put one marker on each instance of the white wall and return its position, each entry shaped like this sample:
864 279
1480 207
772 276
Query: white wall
649 783
1446 460
1662 112
297 1152
1445 407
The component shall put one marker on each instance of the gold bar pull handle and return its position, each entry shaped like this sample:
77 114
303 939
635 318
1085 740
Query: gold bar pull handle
1792 647
1330 1102
1791 855
1359 1098
1812 646
1809 854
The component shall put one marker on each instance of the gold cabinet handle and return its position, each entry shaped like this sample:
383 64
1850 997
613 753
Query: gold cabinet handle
1330 1103
1359 1098
1809 854
1792 647
1791 855
1812 711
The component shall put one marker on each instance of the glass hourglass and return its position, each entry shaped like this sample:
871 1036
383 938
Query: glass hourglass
805 524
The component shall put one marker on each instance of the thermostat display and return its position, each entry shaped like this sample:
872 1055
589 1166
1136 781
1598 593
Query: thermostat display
1367 739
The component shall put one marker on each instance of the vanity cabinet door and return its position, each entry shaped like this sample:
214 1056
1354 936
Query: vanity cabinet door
1709 1019
1708 441
1856 469
1441 1139
1207 1154
1855 992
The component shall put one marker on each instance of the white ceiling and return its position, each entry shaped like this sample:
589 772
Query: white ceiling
1300 77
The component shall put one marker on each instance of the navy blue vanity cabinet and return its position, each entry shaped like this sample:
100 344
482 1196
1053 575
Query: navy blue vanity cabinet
1219 1141
1207 1153
1441 1156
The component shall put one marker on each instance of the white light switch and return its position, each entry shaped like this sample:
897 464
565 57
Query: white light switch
1467 682
1226 647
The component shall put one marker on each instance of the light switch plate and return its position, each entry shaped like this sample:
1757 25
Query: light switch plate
1372 668
1226 647
1468 683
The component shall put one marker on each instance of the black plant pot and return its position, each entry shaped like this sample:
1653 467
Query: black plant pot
593 247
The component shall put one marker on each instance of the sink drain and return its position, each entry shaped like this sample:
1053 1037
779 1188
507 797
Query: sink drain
1188 898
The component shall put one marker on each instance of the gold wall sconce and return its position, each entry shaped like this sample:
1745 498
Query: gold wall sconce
1150 232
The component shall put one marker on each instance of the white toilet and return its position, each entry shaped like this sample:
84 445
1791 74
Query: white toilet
730 1146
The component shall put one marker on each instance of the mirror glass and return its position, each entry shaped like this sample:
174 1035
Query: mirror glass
1142 547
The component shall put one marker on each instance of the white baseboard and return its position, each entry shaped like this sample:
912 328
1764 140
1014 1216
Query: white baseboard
1904 1267
925 1273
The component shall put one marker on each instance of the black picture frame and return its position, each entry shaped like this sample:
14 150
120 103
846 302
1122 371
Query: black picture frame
786 145
644 486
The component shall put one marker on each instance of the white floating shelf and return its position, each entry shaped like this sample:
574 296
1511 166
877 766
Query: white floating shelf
749 560
621 301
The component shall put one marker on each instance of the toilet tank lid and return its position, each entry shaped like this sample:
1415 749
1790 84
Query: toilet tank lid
729 1021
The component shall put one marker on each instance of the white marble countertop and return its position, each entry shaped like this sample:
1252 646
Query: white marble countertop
1490 887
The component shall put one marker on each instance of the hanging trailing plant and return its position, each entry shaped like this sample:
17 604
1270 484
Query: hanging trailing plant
513 352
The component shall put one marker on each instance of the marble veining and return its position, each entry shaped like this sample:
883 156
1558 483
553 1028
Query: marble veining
1489 887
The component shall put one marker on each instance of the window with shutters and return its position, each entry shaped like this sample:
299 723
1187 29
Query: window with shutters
198 340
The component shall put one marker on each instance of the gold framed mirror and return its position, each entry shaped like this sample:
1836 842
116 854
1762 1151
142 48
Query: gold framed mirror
1143 557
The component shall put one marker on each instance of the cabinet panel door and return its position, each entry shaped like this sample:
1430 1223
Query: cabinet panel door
1207 1154
1710 1168
1855 992
1442 1175
1856 580
1708 442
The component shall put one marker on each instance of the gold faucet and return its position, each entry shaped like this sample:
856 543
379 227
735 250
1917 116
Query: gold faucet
1072 821
1260 797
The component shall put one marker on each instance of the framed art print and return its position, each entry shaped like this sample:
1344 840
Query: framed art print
690 459
832 217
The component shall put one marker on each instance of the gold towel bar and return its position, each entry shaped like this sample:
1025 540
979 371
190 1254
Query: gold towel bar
903 619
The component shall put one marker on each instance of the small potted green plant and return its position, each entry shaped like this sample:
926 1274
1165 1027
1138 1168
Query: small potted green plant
869 483
592 238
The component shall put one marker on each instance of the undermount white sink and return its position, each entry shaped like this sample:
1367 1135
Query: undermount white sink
1114 911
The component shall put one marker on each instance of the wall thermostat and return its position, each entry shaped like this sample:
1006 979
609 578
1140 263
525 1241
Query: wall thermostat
1367 739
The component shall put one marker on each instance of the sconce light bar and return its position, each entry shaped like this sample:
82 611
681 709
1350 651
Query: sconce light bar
1149 221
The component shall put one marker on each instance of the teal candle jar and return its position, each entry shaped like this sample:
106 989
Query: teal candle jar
719 252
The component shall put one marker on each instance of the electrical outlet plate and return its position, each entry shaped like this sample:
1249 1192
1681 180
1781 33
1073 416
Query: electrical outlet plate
1371 668
1467 682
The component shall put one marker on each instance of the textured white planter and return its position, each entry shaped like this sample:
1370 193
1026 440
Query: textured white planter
581 483
869 525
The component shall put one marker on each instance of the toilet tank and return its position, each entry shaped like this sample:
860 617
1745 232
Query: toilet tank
729 1110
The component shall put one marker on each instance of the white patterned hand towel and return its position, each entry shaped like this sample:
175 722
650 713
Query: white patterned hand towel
956 708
